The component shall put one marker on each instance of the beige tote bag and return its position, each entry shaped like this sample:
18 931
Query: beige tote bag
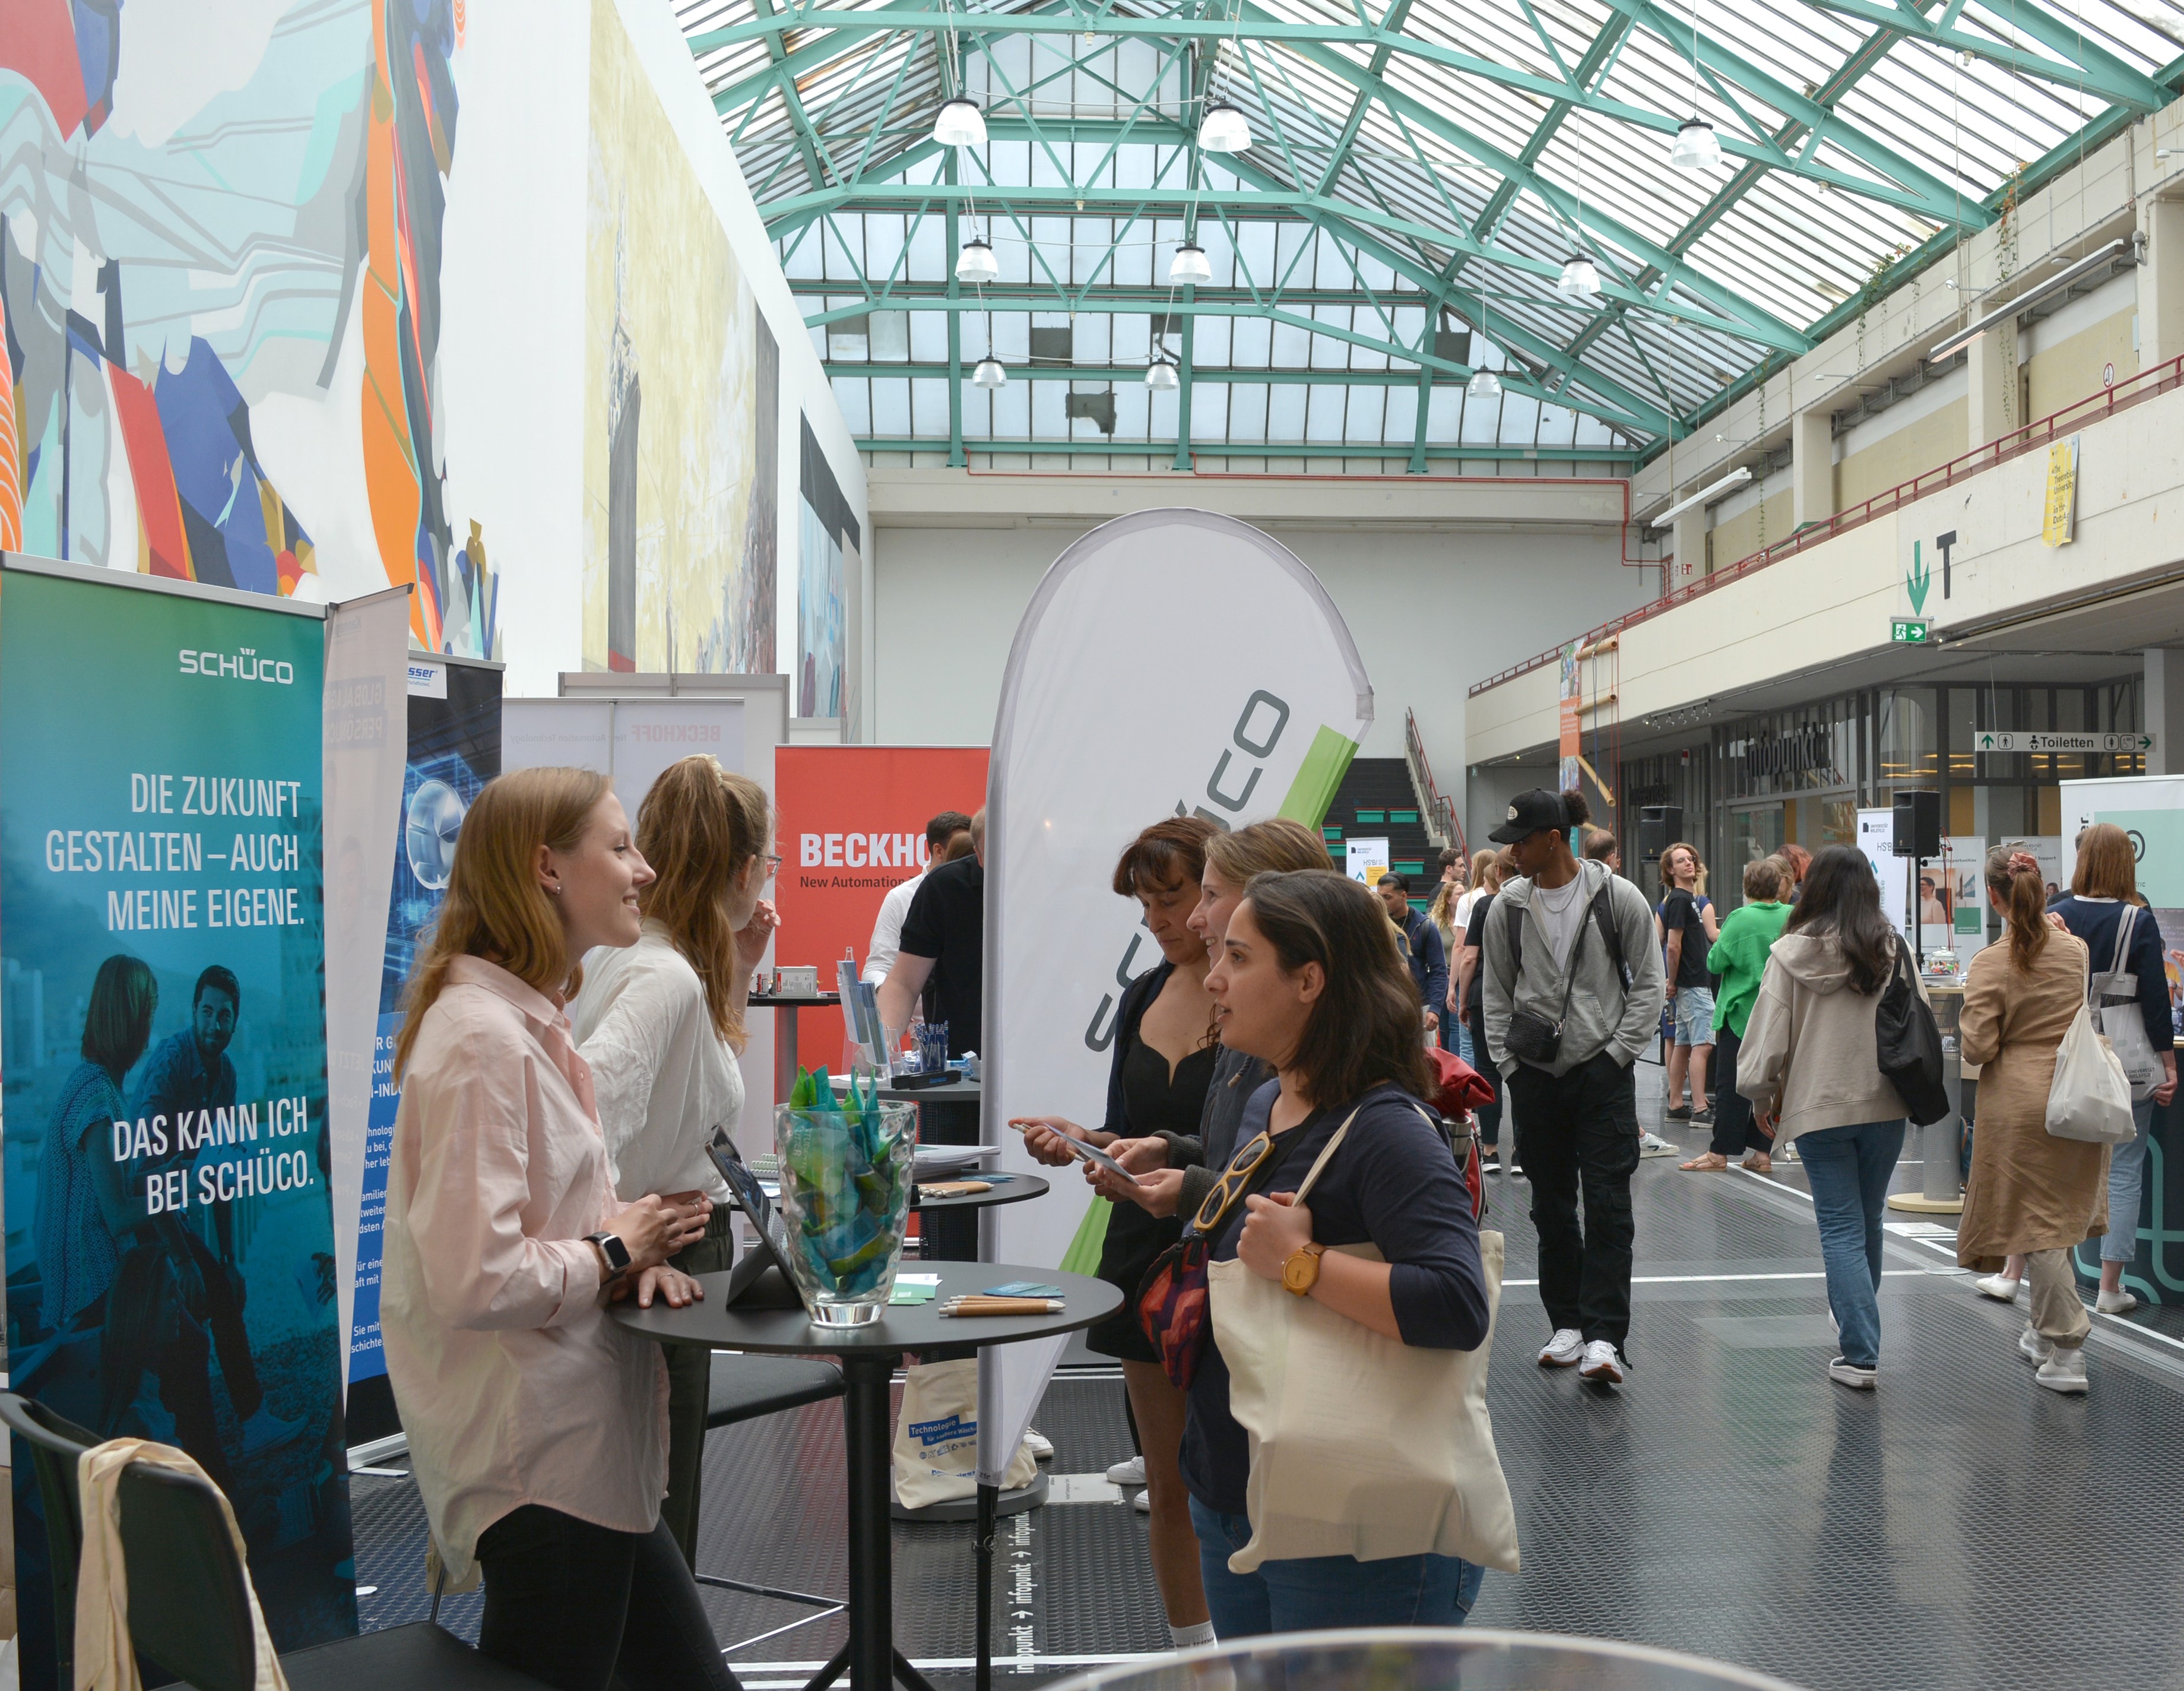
1361 1445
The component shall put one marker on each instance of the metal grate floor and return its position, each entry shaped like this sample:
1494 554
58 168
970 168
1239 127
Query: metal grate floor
1957 1528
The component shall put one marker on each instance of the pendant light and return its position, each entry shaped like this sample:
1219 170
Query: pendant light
1697 147
1190 265
1161 377
1485 384
989 374
1223 130
976 263
1580 277
959 123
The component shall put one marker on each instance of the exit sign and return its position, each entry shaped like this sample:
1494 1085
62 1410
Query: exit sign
1910 631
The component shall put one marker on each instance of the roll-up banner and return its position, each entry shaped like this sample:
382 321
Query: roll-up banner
452 749
170 1250
1255 706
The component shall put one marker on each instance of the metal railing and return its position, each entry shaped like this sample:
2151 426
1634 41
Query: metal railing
1443 827
2094 408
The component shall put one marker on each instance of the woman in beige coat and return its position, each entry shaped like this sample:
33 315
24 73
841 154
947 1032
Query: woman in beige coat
2029 1192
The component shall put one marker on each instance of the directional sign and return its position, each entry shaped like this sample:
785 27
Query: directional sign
1910 631
2000 741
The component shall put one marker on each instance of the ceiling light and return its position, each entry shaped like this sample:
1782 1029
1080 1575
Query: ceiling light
959 123
1485 384
2126 250
1190 265
1580 278
1697 147
989 374
1162 377
1224 129
976 262
1736 478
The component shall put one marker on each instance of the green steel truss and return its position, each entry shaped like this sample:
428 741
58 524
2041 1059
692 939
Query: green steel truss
1432 159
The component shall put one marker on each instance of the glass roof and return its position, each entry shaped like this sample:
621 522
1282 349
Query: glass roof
1418 176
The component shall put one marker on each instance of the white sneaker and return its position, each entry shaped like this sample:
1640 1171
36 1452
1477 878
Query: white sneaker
2064 1371
1129 1473
1995 1286
1143 1503
1851 1374
1601 1364
1566 1349
1040 1446
2116 1303
1652 1145
2033 1348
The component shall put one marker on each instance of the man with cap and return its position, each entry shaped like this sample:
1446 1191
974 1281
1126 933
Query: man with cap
1572 988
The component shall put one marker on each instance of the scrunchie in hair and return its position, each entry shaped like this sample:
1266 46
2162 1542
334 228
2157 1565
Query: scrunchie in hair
2023 864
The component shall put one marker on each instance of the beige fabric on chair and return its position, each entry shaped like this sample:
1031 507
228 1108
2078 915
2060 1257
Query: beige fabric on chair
105 1660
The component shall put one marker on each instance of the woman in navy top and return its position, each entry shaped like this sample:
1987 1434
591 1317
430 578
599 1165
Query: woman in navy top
1309 980
2105 881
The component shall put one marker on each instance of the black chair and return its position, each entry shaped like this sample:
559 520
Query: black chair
188 1609
745 1388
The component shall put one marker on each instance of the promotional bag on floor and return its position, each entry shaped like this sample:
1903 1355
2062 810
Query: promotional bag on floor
936 1438
2089 1098
1361 1445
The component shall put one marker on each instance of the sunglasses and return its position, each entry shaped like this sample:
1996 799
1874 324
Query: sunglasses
1241 1167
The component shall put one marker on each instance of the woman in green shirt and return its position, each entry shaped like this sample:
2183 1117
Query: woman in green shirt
1739 956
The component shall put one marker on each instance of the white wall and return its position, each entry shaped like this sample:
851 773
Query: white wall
1431 613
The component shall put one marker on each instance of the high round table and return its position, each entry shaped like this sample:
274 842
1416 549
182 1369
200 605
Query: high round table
869 1356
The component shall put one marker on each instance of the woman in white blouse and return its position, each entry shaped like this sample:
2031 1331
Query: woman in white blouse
536 1424
661 1022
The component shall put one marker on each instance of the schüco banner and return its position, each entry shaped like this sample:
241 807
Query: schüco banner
1242 699
171 1265
852 829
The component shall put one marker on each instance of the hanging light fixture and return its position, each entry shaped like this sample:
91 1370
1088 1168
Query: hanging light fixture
1580 277
1190 265
1223 130
1485 384
976 262
959 123
1162 377
989 374
1697 147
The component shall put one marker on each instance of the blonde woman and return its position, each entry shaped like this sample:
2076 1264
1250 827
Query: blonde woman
534 1421
1687 924
661 1022
1451 905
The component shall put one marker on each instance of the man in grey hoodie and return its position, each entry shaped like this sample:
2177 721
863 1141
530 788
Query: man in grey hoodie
1569 959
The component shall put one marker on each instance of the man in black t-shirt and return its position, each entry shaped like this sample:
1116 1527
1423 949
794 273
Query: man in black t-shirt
1688 927
943 956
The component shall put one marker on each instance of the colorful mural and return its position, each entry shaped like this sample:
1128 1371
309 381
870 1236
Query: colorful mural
220 299
681 380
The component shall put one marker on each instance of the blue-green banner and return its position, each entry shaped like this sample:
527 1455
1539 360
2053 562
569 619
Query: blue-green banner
170 1233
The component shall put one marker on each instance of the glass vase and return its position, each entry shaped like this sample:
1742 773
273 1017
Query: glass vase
846 1175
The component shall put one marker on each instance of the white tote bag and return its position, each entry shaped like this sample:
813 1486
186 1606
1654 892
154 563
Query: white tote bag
1361 1445
2089 1099
2113 996
936 1441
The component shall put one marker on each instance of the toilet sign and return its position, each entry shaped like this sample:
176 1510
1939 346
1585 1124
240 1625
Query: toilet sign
2000 741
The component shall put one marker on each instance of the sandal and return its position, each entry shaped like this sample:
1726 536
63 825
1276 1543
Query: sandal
1759 1162
1706 1163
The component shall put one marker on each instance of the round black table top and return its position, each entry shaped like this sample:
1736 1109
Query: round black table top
1010 1189
768 1325
955 1092
795 1001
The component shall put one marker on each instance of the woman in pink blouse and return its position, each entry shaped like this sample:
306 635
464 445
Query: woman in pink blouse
537 1426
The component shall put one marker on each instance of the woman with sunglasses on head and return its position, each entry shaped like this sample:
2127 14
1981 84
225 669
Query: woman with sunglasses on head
1308 983
661 1024
535 1422
1157 1081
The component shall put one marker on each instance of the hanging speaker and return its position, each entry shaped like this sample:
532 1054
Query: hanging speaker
1659 827
1918 823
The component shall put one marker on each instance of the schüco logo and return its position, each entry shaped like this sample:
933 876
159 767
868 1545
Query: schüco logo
243 666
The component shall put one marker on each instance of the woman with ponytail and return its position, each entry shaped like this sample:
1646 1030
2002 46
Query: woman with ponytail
2029 1192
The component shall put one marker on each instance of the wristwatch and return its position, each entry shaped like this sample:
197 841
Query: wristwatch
611 1247
1300 1271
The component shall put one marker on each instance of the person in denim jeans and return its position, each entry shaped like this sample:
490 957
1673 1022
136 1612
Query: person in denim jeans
1809 1062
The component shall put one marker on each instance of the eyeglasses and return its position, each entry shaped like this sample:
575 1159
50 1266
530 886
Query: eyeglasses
1241 1167
772 865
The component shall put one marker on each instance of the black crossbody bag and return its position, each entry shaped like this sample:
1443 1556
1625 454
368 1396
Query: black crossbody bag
1531 1036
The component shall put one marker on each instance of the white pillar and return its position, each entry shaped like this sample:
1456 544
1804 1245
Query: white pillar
1812 467
2161 283
2163 714
1690 532
1993 372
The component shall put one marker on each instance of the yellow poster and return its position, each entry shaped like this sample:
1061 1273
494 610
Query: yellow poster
2060 517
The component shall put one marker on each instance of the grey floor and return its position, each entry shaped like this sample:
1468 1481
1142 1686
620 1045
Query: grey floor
1958 1527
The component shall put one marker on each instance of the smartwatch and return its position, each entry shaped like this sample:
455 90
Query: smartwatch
611 1247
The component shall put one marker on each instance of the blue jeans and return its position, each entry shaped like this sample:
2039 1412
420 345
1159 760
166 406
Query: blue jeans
1313 1593
2126 1180
1848 1168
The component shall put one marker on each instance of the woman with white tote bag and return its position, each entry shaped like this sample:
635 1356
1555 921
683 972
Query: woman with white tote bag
1338 1453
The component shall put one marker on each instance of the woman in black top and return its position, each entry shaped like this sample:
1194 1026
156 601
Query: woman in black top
1163 1064
1474 1004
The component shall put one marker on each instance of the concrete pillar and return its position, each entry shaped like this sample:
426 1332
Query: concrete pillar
1812 467
2165 710
2161 283
1993 372
1690 532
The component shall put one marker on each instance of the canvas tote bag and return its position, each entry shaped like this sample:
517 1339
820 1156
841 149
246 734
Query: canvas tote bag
2089 1098
1361 1445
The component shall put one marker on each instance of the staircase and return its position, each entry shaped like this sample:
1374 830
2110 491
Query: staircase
1377 800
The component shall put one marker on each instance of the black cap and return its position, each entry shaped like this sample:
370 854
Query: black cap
1531 813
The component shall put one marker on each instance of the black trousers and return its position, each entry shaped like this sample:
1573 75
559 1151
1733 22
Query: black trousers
1579 1131
1736 1131
579 1607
